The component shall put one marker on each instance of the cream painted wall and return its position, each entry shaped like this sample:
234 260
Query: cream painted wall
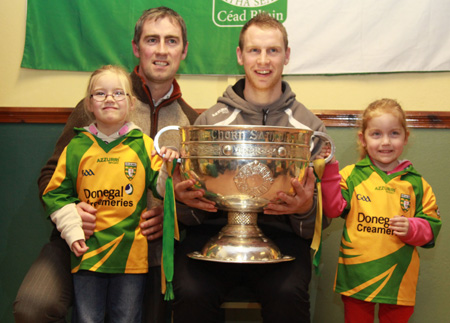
32 88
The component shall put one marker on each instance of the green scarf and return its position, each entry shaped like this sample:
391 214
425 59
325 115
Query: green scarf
170 232
316 244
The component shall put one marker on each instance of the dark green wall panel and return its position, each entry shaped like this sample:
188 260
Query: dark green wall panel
23 228
25 148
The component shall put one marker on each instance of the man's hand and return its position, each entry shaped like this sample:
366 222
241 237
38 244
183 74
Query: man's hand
301 202
400 225
152 226
88 215
185 193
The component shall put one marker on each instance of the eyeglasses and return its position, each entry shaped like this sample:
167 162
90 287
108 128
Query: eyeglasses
118 95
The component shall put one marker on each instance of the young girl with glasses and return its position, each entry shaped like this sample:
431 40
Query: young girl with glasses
389 210
108 165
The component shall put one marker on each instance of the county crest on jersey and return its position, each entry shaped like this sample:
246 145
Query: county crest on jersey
130 170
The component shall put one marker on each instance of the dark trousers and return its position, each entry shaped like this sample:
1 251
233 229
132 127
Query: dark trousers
282 288
46 293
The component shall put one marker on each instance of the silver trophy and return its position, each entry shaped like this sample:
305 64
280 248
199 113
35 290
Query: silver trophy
241 169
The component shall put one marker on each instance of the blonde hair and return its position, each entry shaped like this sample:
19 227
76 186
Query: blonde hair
376 109
124 79
265 21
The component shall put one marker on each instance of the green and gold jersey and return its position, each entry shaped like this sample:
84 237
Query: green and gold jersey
114 179
374 264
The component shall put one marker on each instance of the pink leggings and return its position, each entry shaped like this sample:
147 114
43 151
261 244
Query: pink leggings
357 311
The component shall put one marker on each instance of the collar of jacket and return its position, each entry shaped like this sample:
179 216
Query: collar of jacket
239 86
407 166
143 94
142 91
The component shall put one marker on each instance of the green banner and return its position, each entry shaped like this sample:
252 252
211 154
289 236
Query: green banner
325 37
81 35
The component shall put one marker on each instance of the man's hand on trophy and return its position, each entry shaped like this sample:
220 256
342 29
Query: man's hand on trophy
301 202
187 194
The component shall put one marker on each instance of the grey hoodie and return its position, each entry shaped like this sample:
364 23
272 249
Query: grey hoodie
233 109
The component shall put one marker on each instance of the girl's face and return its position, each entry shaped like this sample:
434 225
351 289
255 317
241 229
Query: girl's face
111 114
384 140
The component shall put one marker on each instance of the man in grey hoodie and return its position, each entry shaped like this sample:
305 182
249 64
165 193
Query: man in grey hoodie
261 98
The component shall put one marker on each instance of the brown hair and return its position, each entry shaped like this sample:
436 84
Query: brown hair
376 109
159 13
263 20
123 76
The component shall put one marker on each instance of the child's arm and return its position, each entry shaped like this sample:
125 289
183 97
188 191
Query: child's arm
332 201
413 231
168 154
69 223
79 247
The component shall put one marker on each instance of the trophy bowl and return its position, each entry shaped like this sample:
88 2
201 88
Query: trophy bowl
242 168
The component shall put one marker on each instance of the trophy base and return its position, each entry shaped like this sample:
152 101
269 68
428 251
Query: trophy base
197 255
241 243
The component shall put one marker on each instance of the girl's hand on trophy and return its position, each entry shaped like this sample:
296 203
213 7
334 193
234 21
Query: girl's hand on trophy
169 153
301 202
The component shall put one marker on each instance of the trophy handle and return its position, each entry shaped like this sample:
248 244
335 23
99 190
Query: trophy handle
160 132
325 137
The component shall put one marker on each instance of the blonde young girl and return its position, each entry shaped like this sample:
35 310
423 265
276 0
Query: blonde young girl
109 166
389 210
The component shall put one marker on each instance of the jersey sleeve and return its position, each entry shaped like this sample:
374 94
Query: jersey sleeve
419 232
427 209
156 163
60 191
346 187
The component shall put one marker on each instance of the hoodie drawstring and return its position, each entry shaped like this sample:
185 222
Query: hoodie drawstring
265 114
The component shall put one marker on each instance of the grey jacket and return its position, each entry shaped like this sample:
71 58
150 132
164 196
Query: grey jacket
233 109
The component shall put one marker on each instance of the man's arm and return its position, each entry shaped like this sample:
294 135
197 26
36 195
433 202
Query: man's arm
78 118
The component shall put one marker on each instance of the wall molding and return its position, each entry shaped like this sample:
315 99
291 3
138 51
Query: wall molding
414 119
34 115
331 118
